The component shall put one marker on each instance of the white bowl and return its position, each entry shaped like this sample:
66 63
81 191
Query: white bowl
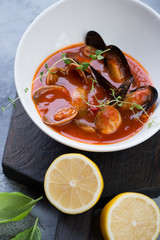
128 24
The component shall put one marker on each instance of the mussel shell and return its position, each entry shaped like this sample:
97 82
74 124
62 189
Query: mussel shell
93 39
117 54
152 96
124 87
103 81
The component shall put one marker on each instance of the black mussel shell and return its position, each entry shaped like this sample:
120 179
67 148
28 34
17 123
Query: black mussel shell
103 81
124 87
93 39
150 98
117 54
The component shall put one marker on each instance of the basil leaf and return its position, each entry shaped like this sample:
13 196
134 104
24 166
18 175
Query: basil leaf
15 206
32 233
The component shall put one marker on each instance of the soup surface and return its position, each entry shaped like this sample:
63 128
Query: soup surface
85 96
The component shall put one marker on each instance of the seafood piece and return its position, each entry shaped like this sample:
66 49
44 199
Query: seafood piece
108 120
114 59
117 64
74 66
79 99
103 81
50 95
62 116
49 90
88 50
145 96
121 91
84 126
82 59
123 88
93 39
53 75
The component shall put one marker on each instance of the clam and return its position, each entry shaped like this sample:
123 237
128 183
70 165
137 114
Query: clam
84 126
62 116
79 99
108 120
51 89
74 66
53 75
55 116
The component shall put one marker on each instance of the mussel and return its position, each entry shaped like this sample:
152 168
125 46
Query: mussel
103 81
120 91
144 96
93 39
114 58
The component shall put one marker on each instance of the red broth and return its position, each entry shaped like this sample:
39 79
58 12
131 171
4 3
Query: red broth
128 127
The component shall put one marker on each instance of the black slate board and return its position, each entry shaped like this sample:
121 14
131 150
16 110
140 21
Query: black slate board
29 152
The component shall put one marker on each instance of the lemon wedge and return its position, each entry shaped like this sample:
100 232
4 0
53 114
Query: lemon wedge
130 216
73 183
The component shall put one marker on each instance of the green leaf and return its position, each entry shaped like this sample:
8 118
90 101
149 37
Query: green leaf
120 104
2 108
80 67
67 61
32 233
9 99
150 124
14 105
93 57
46 65
26 90
41 73
15 206
100 57
139 106
40 79
98 52
63 55
85 65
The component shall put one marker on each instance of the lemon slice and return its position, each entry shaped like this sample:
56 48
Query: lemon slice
73 183
130 216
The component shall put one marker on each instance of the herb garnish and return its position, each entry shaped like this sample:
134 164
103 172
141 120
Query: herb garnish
14 207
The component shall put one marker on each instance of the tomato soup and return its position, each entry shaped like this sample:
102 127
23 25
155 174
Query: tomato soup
84 98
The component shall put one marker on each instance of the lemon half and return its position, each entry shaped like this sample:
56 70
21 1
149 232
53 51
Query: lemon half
73 183
130 216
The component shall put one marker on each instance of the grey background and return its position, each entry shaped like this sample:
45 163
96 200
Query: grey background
15 17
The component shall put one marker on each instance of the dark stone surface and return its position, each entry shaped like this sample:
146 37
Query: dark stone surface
15 16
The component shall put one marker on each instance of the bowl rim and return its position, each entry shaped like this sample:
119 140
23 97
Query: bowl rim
65 140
